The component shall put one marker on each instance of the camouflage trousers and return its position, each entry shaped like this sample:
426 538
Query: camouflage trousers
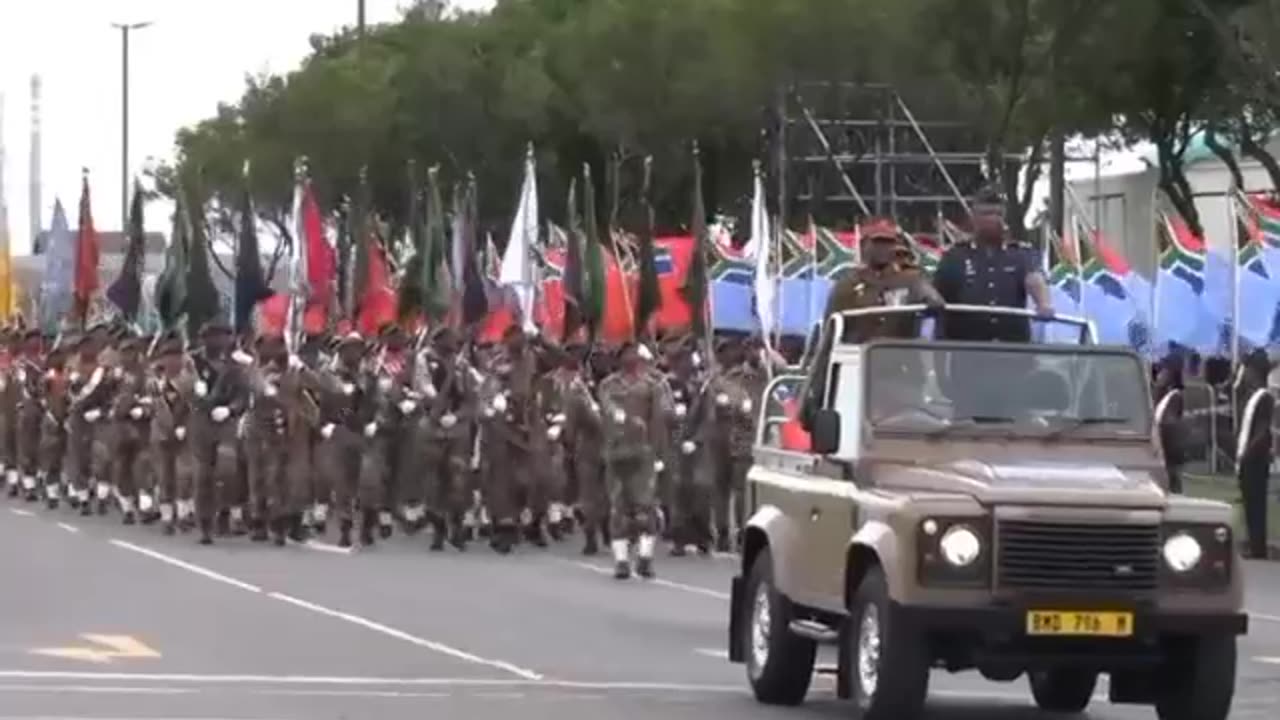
691 499
729 508
632 489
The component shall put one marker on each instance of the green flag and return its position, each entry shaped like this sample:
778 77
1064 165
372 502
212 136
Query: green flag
438 292
171 285
594 280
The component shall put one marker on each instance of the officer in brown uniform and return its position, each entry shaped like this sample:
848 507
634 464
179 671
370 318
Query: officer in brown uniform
633 405
24 381
47 410
584 445
689 499
131 412
446 382
89 388
9 395
880 281
219 397
508 452
170 390
339 450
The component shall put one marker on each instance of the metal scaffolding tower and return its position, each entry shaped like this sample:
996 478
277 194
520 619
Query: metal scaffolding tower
844 151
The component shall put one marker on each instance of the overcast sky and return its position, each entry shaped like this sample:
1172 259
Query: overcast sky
196 54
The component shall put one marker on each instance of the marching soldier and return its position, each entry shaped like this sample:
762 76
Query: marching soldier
10 353
219 397
446 381
47 406
89 387
507 447
690 496
171 392
24 380
339 449
632 403
131 412
584 443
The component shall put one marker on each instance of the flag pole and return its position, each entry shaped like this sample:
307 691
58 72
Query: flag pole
1233 224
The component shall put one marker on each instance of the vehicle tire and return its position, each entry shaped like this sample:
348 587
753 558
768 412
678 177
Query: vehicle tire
779 663
1065 690
1200 680
888 666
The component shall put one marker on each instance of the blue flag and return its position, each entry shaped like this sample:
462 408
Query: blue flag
57 282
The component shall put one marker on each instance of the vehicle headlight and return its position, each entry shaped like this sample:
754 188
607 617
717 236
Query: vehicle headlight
960 546
1182 552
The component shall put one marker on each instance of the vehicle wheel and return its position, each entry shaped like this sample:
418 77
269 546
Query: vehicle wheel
779 663
1200 681
888 668
1066 690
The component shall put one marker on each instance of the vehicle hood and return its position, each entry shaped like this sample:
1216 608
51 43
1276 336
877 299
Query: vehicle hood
1032 482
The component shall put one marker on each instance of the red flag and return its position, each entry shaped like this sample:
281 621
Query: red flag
378 304
86 280
321 260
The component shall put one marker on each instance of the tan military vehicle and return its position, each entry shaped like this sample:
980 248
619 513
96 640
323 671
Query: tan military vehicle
981 506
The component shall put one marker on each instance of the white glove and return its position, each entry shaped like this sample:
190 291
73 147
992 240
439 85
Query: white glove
500 403
22 375
271 390
75 377
619 416
407 406
117 372
295 362
92 415
688 447
553 433
326 431
681 410
559 419
489 411
202 388
722 399
180 433
746 406
220 413
371 429
659 466
242 358
136 413
448 420
348 388
384 384
429 391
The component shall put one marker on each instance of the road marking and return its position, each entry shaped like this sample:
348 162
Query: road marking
354 693
306 680
1263 616
23 513
102 649
1267 660
694 589
189 567
712 652
401 635
326 547
98 689
69 527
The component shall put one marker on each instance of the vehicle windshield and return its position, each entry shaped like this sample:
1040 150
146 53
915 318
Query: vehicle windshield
1046 391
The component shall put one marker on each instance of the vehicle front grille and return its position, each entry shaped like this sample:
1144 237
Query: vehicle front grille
1077 556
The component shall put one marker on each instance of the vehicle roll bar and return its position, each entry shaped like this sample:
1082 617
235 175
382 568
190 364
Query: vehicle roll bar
1088 333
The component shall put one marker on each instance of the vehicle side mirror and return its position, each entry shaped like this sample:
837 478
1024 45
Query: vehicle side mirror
825 433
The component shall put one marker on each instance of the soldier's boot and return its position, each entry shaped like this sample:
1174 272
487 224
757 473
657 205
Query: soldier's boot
320 518
533 531
279 529
386 524
439 532
413 518
11 482
129 516
86 507
206 531
502 537
368 521
722 541
679 539
223 523
644 555
556 517
31 488
166 518
296 527
236 525
344 533
259 533
589 546
458 533
621 559
52 495
103 493
148 513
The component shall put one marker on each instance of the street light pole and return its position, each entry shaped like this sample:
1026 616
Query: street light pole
124 29
360 17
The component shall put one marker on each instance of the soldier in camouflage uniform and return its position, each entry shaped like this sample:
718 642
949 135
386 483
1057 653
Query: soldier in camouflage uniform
89 387
689 498
583 443
632 403
9 396
171 457
339 450
131 413
24 380
447 382
732 397
507 451
219 396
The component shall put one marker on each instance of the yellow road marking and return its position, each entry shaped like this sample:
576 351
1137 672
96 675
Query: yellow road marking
102 649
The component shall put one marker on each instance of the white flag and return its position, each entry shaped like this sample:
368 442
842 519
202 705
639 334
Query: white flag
517 269
764 280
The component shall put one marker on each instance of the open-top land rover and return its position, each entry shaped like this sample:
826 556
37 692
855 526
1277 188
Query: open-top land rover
998 507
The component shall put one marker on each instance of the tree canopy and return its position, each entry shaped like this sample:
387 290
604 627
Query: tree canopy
589 80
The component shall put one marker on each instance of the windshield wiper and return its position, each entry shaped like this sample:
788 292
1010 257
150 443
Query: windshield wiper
1074 424
970 421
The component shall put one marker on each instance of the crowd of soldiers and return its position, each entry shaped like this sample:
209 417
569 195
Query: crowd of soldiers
521 441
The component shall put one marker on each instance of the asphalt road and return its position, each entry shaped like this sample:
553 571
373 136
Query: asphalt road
100 621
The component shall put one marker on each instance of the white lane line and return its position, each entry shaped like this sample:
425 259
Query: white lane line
97 689
1263 617
322 680
69 527
1267 660
23 513
354 693
189 567
413 639
326 547
713 653
694 589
